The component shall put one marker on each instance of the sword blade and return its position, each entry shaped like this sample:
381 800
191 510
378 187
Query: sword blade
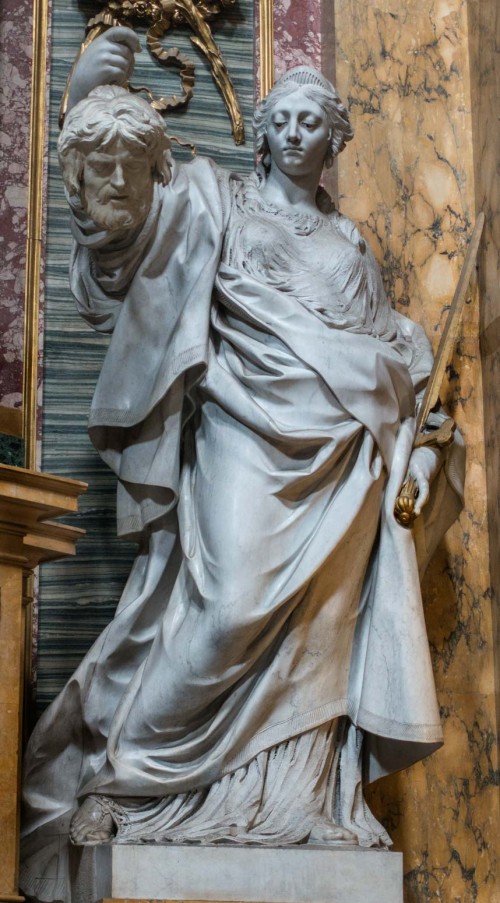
404 508
450 331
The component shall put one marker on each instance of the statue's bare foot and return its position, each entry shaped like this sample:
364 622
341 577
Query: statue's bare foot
92 824
326 832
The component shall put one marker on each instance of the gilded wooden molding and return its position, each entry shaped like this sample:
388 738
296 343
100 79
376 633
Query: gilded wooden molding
266 29
34 236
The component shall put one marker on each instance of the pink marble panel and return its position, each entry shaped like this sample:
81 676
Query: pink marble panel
15 91
297 34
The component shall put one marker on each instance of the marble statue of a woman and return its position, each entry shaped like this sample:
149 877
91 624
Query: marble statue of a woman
257 402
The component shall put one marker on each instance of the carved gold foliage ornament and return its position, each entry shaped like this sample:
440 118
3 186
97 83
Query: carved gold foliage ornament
159 17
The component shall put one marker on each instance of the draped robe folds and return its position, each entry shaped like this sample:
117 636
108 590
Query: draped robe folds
258 452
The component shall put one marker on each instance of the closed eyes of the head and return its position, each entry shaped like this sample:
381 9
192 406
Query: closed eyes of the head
309 124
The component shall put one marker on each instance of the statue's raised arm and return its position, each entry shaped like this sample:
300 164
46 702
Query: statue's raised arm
257 403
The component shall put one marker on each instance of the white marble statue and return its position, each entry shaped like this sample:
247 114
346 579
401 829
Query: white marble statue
257 403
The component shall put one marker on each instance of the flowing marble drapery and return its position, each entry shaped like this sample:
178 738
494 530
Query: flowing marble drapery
260 424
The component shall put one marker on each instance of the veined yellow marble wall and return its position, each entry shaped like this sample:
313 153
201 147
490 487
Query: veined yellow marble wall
484 41
409 180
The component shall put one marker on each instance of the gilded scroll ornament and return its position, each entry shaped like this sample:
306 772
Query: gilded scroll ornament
160 16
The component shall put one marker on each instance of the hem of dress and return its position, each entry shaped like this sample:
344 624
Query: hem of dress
398 730
362 718
425 734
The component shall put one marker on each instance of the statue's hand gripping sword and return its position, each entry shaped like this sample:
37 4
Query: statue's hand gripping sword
404 509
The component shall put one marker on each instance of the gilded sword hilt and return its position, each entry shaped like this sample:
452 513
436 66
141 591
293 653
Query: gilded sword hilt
404 508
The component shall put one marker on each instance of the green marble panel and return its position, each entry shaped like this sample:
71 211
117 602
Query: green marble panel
11 450
78 597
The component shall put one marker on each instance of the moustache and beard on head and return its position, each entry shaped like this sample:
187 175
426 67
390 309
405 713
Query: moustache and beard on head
112 215
116 185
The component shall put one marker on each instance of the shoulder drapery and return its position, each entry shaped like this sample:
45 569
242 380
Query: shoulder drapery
153 291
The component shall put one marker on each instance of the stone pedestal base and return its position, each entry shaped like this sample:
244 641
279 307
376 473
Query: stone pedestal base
222 873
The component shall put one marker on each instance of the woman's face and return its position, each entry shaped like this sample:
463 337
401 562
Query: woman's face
298 135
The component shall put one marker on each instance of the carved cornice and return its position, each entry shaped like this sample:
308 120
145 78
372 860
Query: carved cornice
28 501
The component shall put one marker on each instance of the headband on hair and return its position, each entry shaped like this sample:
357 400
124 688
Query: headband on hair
305 75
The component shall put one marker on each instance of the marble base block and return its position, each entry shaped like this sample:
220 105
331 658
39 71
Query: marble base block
221 873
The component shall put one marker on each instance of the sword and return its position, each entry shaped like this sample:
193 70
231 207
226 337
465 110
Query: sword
404 508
